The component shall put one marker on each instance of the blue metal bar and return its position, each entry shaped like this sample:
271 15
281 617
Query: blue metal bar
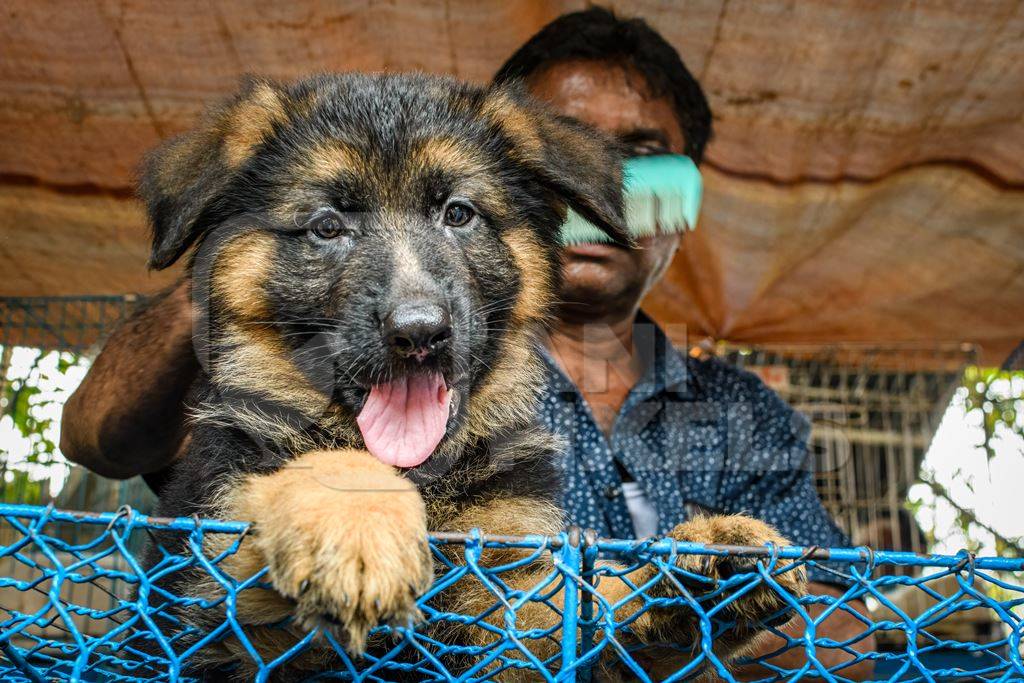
571 560
120 519
612 546
588 627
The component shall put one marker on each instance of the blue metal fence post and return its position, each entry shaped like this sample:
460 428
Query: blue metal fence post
571 566
587 602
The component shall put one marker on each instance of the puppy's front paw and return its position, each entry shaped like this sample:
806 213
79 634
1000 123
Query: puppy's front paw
345 538
755 606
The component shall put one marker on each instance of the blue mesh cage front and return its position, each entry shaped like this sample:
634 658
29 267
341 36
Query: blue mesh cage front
76 603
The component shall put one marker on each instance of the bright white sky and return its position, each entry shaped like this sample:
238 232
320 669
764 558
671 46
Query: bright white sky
955 460
54 387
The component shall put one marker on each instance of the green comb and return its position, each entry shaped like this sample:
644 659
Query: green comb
663 194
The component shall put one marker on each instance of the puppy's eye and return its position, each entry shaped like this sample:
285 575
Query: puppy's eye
327 226
458 214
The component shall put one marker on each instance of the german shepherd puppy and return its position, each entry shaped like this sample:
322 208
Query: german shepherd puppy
375 256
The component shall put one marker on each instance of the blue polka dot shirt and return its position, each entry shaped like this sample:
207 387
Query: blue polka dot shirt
697 436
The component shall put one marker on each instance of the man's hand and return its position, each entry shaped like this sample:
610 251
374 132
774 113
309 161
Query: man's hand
127 417
839 626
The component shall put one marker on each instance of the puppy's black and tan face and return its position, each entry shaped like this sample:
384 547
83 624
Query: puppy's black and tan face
382 244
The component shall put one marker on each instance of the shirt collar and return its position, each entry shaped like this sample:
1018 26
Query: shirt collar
665 367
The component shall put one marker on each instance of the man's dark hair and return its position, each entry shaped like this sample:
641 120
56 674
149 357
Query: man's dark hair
598 34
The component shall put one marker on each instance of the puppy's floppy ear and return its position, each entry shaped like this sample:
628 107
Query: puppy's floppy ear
578 163
183 181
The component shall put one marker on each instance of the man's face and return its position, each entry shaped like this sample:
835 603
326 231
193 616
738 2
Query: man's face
604 278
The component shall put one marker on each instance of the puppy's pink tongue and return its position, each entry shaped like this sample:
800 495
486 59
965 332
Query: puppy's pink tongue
403 421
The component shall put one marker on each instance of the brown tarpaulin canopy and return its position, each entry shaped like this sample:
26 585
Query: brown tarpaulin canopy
866 181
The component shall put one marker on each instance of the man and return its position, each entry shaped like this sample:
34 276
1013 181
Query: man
653 435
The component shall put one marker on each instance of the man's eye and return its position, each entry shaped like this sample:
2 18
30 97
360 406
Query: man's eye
648 149
327 227
457 215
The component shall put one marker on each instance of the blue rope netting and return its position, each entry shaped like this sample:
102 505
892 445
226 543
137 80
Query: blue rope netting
53 628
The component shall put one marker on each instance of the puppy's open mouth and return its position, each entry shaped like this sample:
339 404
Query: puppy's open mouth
403 420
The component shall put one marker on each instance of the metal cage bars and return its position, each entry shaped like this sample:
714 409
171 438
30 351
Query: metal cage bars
46 634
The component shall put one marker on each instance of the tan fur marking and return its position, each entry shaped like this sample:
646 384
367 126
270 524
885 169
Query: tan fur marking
250 122
515 121
536 290
329 161
343 535
474 173
510 391
243 266
408 271
509 516
255 358
175 168
257 362
509 394
448 154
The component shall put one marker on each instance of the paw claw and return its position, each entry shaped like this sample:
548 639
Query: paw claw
757 604
350 563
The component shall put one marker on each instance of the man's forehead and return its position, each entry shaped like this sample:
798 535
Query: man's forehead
611 96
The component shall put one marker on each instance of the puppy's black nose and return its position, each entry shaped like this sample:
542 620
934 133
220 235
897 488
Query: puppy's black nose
417 329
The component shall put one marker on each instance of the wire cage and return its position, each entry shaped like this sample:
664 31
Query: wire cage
873 411
64 323
70 582
74 326
58 331
142 637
